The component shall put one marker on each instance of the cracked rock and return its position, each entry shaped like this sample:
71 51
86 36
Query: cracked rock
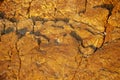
59 40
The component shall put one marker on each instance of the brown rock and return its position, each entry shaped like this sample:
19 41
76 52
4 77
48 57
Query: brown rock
1 27
103 60
96 18
59 40
25 26
38 25
26 44
9 57
114 18
114 24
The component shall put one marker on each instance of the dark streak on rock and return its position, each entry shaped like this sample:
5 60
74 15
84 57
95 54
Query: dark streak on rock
109 7
76 36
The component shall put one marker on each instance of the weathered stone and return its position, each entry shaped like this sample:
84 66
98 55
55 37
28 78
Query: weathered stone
95 41
49 23
112 30
26 43
103 60
60 23
9 54
52 32
115 17
25 26
59 40
1 27
9 26
94 17
115 34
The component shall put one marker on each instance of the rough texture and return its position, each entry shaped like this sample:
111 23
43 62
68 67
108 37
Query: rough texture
59 40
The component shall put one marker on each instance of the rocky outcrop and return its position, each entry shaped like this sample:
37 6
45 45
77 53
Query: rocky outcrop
59 40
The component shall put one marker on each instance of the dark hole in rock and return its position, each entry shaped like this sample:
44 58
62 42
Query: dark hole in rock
21 32
9 29
13 20
37 33
2 15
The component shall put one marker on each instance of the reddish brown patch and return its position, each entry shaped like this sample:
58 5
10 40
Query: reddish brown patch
109 30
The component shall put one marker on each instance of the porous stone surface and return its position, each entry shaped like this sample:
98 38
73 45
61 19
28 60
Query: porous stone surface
59 40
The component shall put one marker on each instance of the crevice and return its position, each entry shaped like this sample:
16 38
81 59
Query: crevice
83 60
4 26
71 26
76 36
60 27
33 31
85 5
91 26
28 10
93 33
38 18
73 78
62 19
93 47
18 53
109 7
21 32
13 20
80 42
44 36
37 37
82 11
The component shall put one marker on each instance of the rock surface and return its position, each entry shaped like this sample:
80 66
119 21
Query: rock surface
59 40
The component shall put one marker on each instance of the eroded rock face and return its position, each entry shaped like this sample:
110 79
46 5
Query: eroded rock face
50 9
54 31
114 23
59 39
